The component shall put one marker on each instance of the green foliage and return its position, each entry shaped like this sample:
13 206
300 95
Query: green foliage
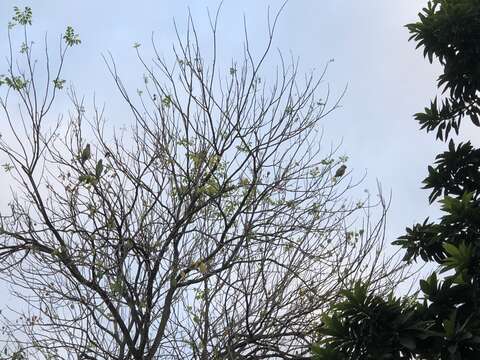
24 48
88 179
7 167
167 101
70 37
15 82
363 325
22 17
426 243
447 323
58 83
448 30
451 176
117 287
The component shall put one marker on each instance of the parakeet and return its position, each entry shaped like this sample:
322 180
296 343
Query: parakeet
340 171
202 267
85 154
99 168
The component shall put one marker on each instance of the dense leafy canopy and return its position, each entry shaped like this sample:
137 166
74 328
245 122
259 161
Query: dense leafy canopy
449 30
446 324
364 325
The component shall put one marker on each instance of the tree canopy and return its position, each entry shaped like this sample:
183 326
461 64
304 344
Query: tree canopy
444 323
216 226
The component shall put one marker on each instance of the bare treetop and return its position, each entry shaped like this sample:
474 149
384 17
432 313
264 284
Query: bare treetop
213 228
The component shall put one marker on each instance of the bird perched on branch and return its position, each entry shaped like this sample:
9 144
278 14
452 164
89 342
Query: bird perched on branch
85 155
340 171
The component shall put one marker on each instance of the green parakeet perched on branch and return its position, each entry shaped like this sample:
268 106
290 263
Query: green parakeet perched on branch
85 154
340 171
99 168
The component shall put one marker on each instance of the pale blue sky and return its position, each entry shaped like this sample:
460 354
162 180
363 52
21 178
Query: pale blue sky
387 79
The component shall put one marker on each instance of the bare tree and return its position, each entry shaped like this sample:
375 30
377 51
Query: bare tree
214 228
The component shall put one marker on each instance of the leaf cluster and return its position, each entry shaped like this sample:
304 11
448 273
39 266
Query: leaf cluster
447 321
22 17
450 32
364 325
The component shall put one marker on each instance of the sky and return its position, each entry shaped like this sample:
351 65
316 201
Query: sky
387 80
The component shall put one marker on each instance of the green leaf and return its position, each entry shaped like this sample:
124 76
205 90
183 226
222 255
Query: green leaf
70 37
22 17
167 101
58 83
451 249
408 342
